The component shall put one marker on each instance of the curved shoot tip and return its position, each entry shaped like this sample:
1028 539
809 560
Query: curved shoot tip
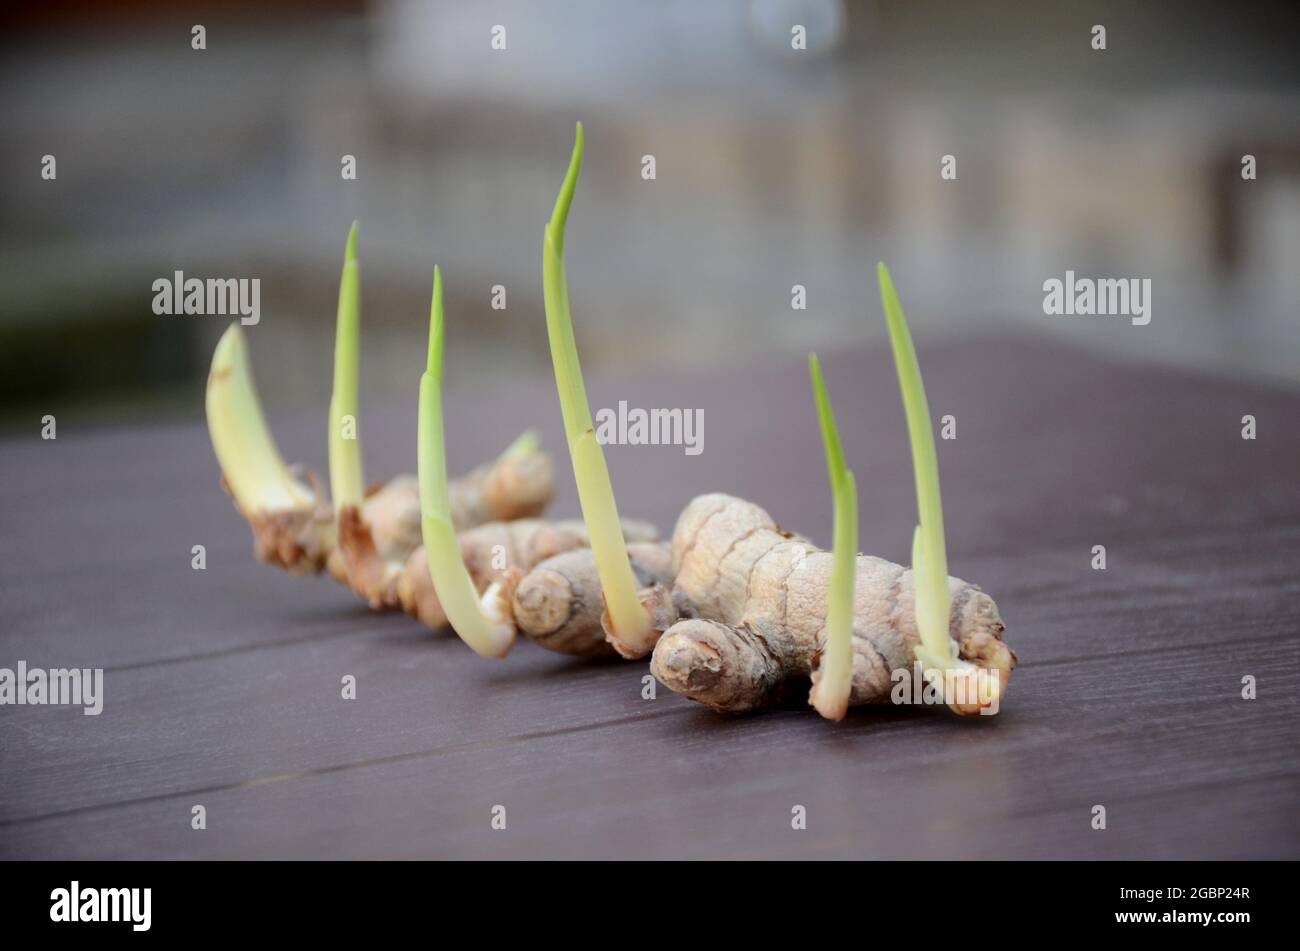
488 636
347 478
249 459
930 558
834 677
350 250
560 216
436 322
835 464
232 339
528 442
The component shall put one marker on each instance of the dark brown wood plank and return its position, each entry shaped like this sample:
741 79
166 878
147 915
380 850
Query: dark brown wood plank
223 685
245 714
669 778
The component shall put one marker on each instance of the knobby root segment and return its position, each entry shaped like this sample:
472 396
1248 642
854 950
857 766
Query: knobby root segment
629 622
558 604
832 678
505 558
379 538
755 600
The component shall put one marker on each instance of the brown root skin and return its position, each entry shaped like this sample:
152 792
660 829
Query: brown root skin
392 510
760 599
514 486
377 539
367 550
416 594
656 599
559 604
491 553
298 540
381 538
723 666
365 570
301 541
377 542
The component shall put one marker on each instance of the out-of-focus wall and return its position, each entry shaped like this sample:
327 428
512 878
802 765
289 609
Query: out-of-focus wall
774 167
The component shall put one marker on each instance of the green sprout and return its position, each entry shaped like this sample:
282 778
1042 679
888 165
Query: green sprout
527 443
631 629
487 636
929 555
252 465
835 674
347 482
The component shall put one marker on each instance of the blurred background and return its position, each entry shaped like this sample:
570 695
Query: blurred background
773 167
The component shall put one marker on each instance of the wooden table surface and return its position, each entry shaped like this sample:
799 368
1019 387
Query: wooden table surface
222 686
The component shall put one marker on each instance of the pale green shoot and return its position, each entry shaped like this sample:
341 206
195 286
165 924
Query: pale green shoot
253 468
929 554
451 579
528 442
830 694
631 630
347 480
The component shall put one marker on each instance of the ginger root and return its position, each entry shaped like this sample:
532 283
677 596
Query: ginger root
300 539
294 526
362 547
559 604
754 599
376 542
500 553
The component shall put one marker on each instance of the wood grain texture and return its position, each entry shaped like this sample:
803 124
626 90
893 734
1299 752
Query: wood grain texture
222 686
